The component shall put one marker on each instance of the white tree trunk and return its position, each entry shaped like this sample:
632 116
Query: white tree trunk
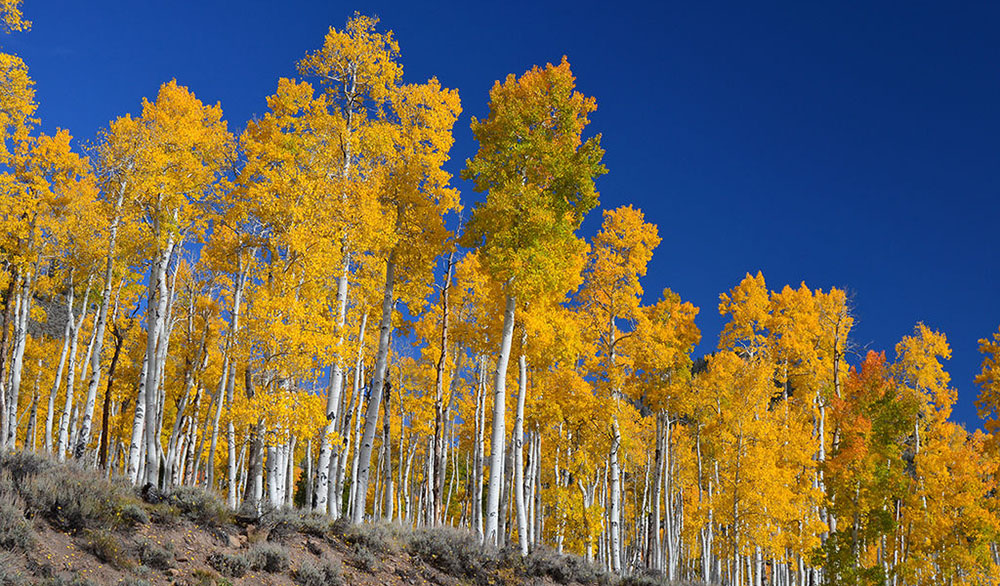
138 427
64 421
50 416
336 501
375 398
615 510
74 428
522 391
214 441
357 440
333 396
498 432
288 477
17 365
86 425
479 449
241 279
156 310
273 476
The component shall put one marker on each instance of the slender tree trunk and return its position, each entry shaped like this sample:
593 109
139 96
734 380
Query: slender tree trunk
498 431
375 399
288 476
656 541
138 425
64 421
254 489
357 440
156 310
74 428
31 433
333 396
217 401
50 416
615 510
437 453
387 449
273 465
344 452
309 475
17 362
86 425
522 391
8 315
479 449
106 412
241 279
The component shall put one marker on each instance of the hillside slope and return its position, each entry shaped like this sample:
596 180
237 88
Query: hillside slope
61 524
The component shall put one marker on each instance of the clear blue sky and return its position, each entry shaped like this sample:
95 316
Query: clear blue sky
840 144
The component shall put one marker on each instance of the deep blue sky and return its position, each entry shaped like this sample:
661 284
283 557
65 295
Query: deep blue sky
841 144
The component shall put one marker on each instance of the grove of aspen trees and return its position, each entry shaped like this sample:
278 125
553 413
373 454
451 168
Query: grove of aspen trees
303 314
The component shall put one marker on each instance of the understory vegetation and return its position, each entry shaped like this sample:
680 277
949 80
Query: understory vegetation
148 546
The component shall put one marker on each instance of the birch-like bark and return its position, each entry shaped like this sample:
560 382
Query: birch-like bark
23 310
614 512
138 425
344 452
357 440
31 435
288 475
490 535
174 445
50 415
656 542
387 449
375 398
333 396
156 310
241 279
478 450
64 421
106 414
86 424
309 473
273 465
73 425
522 391
8 316
615 509
437 452
162 349
254 489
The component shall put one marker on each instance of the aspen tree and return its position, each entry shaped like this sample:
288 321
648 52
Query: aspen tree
612 293
44 177
116 160
185 149
416 196
358 68
539 175
988 379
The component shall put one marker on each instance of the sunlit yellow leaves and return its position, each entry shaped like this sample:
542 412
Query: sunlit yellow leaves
17 102
989 381
539 175
919 367
12 17
356 62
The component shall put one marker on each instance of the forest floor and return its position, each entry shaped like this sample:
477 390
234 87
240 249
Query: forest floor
63 525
